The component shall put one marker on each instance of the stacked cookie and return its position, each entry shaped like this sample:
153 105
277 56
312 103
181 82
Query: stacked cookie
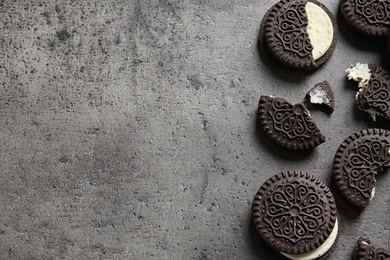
294 212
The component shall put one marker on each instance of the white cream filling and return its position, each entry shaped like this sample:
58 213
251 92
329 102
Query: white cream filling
318 96
321 250
372 193
389 155
319 29
360 73
373 113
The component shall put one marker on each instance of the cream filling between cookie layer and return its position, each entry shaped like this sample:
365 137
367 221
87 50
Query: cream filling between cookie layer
319 29
389 155
361 73
321 250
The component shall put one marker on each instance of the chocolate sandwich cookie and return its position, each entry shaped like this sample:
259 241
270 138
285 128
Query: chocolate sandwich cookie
302 33
295 213
373 96
322 94
364 250
370 18
358 160
288 125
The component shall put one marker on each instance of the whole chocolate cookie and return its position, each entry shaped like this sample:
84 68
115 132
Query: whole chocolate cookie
302 34
295 213
373 96
370 17
288 125
358 160
364 250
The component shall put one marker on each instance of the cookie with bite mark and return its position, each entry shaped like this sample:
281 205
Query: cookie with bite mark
357 162
373 96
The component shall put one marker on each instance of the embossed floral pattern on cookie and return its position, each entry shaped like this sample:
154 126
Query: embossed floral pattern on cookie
357 161
294 212
288 125
370 17
301 34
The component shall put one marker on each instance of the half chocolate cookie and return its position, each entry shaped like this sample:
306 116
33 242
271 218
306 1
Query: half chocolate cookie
373 96
302 33
295 213
364 250
358 160
289 125
370 18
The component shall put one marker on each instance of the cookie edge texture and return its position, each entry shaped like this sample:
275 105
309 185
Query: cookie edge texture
264 122
276 244
357 25
296 63
337 164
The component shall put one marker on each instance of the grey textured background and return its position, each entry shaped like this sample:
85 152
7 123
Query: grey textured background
128 129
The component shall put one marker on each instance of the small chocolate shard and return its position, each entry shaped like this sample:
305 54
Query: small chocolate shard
322 94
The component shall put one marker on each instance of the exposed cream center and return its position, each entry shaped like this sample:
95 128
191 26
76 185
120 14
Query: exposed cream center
361 73
319 29
319 251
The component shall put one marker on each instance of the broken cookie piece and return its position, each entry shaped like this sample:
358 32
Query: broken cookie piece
373 96
357 162
322 94
289 125
364 250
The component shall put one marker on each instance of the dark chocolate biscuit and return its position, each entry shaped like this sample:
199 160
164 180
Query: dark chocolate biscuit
295 213
322 94
388 41
302 34
288 125
374 89
357 161
364 250
369 17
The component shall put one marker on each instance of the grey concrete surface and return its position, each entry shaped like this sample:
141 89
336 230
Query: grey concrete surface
128 129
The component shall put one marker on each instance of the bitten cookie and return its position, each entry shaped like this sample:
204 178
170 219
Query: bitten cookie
295 213
358 160
288 125
370 18
302 34
373 96
322 94
364 250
